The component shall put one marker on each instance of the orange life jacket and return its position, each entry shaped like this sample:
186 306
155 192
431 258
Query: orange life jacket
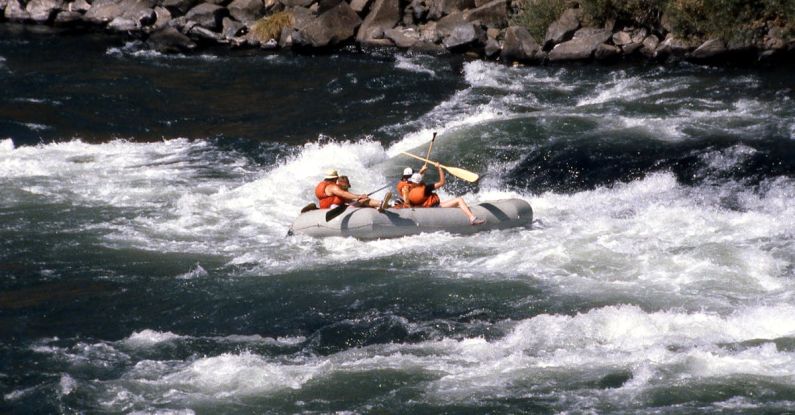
325 200
419 197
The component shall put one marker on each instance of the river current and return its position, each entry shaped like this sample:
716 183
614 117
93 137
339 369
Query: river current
144 202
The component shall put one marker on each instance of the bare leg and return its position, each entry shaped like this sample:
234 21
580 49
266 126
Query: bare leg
459 203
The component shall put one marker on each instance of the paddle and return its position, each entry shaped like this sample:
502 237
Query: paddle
430 147
333 213
455 171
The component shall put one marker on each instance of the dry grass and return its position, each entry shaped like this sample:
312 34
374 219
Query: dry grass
270 27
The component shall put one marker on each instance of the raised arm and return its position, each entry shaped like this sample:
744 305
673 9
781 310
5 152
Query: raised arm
441 181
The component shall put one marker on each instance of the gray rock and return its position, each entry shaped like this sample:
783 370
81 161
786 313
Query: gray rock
384 15
67 18
462 35
3 4
162 17
103 11
359 5
491 14
330 28
492 47
232 28
631 48
563 28
673 46
179 7
123 24
15 12
81 6
297 3
246 11
622 38
581 46
710 49
639 34
42 11
774 39
519 46
419 10
199 32
403 38
170 40
605 52
207 15
439 8
429 34
649 47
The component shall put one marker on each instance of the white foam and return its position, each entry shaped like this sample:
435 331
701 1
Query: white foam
66 385
415 64
149 338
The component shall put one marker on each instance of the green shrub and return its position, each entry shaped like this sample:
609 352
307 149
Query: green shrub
732 20
270 27
630 12
537 15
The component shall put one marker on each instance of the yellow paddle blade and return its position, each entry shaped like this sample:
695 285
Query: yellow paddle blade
455 171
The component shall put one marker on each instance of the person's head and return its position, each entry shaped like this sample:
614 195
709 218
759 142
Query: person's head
416 178
343 182
331 174
407 172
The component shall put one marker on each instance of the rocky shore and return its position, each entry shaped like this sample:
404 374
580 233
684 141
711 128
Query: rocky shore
477 27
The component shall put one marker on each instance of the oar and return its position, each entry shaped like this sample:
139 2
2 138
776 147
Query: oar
430 147
455 171
333 213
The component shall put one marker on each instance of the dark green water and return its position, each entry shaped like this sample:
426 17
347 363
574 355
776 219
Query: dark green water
145 199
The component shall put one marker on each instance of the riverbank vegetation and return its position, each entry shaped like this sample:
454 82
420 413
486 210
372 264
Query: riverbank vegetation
731 20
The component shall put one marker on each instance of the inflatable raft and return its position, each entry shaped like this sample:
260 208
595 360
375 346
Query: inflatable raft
368 223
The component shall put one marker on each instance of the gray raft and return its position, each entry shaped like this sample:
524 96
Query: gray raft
368 223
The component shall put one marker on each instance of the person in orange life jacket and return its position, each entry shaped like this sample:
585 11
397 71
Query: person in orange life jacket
330 194
423 195
403 187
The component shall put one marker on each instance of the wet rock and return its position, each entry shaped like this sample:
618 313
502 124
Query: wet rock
232 28
581 46
162 17
492 47
123 24
631 48
519 46
15 12
207 15
492 14
170 40
710 49
81 6
330 28
403 38
384 15
673 46
200 32
622 38
563 28
246 11
440 8
43 11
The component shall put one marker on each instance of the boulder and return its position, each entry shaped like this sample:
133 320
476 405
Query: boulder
384 15
232 28
605 52
462 35
170 40
491 14
519 46
162 17
631 48
207 15
419 10
199 32
81 6
67 18
178 7
15 12
297 3
104 11
639 35
246 11
710 49
123 24
429 33
622 38
440 8
649 47
673 46
330 28
563 28
359 5
774 39
42 11
581 46
403 38
492 47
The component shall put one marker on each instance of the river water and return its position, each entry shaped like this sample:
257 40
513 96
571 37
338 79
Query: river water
144 266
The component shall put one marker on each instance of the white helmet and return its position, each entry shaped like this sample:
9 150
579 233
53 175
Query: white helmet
408 171
416 178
